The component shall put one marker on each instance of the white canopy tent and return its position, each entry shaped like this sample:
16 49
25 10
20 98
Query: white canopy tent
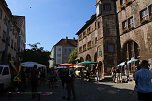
31 64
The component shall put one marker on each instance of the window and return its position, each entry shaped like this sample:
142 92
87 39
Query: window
65 51
107 7
84 34
95 25
130 22
58 55
80 49
144 14
80 37
98 24
99 9
125 24
96 40
1 13
122 2
111 47
150 10
88 30
89 45
84 47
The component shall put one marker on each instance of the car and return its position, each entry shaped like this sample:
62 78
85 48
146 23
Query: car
5 77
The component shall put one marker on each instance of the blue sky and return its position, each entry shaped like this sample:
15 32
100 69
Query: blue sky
48 21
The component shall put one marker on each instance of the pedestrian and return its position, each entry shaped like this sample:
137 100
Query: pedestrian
118 75
143 82
62 74
113 73
34 80
70 82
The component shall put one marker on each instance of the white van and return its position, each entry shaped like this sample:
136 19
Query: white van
5 77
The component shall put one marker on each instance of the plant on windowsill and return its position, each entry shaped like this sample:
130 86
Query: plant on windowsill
131 28
145 21
129 2
123 7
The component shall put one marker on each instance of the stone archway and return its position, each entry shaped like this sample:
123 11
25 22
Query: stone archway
88 57
130 50
81 59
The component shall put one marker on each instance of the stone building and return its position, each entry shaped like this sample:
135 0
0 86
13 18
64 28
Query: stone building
61 50
135 28
12 31
119 31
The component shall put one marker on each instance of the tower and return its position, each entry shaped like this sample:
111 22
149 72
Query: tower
106 13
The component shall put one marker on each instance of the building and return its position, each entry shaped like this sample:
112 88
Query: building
10 32
135 28
119 31
61 51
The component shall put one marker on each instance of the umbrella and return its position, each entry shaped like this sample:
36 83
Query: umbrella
28 64
87 62
58 67
121 64
31 64
66 64
78 65
132 60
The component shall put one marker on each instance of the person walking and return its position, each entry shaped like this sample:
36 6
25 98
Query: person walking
118 76
70 85
113 73
143 82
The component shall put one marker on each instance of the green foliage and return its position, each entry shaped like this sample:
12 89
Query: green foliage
35 54
73 56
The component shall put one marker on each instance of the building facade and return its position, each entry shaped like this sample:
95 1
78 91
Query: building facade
135 27
119 31
61 51
9 35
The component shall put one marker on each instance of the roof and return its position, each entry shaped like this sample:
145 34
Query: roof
67 43
88 23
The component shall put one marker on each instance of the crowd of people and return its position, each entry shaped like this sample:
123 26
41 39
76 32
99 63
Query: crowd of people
36 76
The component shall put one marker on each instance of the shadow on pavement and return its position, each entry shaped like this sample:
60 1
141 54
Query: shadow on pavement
85 91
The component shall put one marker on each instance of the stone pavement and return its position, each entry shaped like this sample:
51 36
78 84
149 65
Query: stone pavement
85 91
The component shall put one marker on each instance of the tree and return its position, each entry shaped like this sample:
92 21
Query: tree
36 54
73 56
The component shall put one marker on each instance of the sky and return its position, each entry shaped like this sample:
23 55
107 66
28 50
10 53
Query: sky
48 21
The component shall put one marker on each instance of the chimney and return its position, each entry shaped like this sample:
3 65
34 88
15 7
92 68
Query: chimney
66 39
74 38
